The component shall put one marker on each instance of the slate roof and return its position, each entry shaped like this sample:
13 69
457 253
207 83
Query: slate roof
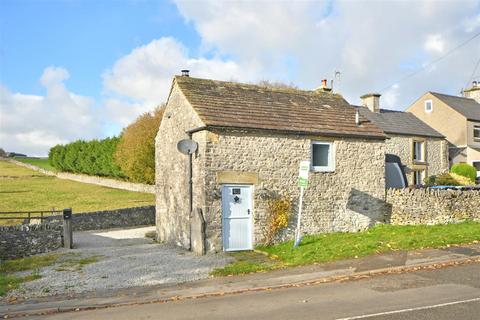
398 122
469 108
247 106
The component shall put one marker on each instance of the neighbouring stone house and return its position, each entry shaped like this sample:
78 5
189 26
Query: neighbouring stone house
251 140
422 150
457 118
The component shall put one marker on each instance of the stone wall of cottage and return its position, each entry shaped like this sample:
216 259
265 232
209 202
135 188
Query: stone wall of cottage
171 170
351 198
432 206
436 154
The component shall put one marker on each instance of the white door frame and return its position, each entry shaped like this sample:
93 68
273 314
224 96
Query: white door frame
251 187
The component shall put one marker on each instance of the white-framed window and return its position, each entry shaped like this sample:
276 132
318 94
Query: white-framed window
476 132
418 177
323 156
419 151
428 105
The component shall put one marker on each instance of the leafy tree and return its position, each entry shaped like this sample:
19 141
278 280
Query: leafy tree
135 153
3 153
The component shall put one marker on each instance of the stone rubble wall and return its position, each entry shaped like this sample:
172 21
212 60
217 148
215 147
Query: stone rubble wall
351 198
109 219
101 181
432 206
26 240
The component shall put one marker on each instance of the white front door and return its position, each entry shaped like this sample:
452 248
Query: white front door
237 216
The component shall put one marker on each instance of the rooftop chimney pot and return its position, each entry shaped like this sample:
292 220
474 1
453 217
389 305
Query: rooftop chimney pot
473 92
371 101
185 73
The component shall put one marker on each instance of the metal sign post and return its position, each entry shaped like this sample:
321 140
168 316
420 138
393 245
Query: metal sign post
302 183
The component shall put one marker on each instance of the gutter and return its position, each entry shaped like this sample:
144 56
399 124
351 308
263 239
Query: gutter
297 132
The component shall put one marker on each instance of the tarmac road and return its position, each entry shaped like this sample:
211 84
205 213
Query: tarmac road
449 293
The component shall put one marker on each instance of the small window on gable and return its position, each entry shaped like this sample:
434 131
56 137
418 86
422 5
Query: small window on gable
476 132
419 151
428 105
323 156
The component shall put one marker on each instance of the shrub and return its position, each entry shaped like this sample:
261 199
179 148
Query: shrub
463 181
430 181
465 170
135 153
278 214
89 157
445 179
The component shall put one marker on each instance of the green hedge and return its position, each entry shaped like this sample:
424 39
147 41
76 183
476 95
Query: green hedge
94 157
465 170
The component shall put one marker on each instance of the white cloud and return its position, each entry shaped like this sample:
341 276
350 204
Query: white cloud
435 43
32 124
141 80
369 42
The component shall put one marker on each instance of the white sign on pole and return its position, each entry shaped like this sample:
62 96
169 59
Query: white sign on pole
302 183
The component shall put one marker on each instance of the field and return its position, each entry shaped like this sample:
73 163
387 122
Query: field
39 162
22 189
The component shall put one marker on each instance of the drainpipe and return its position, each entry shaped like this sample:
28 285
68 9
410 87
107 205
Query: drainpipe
190 189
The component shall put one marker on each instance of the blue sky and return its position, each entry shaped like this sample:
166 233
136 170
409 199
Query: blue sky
75 69
84 37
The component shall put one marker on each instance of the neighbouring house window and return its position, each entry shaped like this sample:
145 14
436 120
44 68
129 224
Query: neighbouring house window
476 132
418 177
476 164
419 151
428 105
323 156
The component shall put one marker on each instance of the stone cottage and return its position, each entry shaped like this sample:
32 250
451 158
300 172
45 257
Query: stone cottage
251 140
422 150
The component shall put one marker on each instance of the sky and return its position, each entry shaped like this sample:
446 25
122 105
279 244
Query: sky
76 69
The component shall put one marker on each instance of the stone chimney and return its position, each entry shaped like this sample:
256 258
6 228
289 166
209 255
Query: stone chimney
473 92
371 101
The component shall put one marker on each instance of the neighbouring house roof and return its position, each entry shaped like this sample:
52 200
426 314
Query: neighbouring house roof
247 106
467 107
398 122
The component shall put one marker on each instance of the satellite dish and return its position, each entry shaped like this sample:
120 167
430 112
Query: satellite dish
187 146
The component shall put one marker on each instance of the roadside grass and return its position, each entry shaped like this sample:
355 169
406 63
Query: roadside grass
329 247
39 162
8 281
22 189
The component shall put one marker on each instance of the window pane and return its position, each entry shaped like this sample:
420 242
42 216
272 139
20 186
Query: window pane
320 155
476 132
418 151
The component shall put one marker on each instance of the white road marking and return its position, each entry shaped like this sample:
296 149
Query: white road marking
410 309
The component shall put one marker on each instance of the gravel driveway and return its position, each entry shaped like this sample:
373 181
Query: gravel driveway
119 259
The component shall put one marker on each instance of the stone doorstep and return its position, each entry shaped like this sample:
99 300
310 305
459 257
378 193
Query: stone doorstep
277 279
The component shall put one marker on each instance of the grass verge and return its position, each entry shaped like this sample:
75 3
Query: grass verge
336 246
23 189
8 281
39 162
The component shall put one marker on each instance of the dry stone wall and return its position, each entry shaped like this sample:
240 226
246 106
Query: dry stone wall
26 240
432 206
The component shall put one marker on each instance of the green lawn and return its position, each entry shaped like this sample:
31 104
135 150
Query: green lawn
39 162
335 246
23 189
